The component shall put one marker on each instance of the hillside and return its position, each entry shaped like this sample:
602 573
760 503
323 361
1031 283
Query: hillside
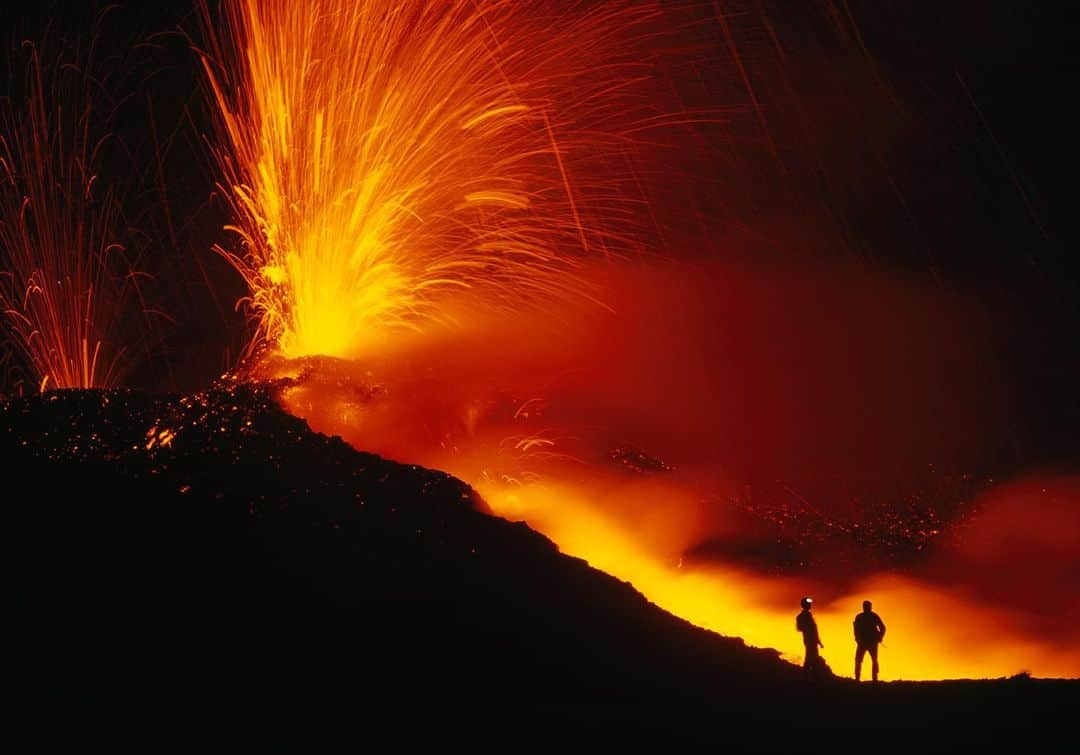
165 552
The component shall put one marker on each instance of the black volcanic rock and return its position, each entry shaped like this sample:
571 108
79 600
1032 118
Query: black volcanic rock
165 553
214 540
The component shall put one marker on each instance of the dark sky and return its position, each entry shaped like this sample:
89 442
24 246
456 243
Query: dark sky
925 139
992 182
990 82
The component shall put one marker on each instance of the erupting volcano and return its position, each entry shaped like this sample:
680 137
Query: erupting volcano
638 275
422 187
66 279
387 160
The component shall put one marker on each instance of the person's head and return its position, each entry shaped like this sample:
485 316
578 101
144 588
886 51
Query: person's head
806 602
866 606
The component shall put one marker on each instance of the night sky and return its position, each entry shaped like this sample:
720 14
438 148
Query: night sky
923 141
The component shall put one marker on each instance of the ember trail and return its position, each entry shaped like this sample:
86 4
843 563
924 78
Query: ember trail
65 281
397 167
387 160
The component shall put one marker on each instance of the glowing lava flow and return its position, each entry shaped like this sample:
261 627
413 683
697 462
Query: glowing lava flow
933 632
395 164
387 160
449 409
57 236
639 530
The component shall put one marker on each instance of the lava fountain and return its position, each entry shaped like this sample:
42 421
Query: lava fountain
443 192
386 161
64 280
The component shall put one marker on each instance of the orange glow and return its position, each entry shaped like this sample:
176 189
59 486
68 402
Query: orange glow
419 187
383 158
435 405
932 633
58 253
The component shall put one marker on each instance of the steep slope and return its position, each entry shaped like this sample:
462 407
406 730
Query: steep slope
214 542
162 555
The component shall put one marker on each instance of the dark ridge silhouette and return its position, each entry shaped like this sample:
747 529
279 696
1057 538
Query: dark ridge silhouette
170 554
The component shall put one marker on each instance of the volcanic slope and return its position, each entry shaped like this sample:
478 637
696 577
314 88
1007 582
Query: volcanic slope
166 550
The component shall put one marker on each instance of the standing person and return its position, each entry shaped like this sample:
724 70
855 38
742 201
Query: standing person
805 623
869 631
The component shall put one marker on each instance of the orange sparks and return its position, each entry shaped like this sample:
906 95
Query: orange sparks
393 165
60 289
389 163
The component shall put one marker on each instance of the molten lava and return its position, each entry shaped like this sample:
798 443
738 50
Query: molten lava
545 429
387 160
407 175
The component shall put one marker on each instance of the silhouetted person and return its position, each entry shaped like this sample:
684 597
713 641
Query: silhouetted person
869 631
805 623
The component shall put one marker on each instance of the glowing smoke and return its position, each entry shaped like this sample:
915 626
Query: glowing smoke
778 392
391 162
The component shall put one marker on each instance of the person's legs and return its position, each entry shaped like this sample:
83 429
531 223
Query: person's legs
810 658
873 657
859 652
